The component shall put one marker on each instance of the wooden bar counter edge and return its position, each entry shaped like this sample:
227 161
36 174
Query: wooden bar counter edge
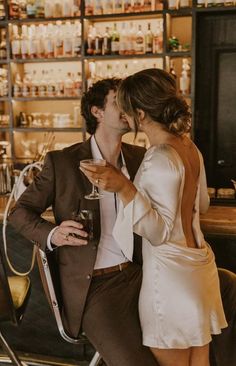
219 220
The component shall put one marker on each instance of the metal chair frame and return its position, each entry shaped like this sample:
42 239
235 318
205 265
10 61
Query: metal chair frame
53 298
8 311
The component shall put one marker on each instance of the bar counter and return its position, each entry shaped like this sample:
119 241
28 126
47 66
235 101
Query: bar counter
219 220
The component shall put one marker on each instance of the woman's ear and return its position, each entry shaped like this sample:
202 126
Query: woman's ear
97 112
141 114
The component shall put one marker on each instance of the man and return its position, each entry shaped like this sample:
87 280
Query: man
100 288
99 296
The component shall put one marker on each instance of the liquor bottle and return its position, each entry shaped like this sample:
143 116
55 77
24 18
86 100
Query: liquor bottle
128 8
30 9
3 44
98 8
51 85
117 9
22 9
147 5
58 40
14 9
68 8
2 10
131 37
76 8
68 86
98 42
90 44
108 7
15 42
59 85
106 42
34 87
49 42
17 87
172 69
57 9
123 40
24 42
40 36
42 87
136 6
115 40
139 42
149 40
26 85
48 9
39 9
32 43
184 82
78 85
76 44
67 40
89 7
158 40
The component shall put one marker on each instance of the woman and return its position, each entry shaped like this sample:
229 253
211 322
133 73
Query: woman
180 304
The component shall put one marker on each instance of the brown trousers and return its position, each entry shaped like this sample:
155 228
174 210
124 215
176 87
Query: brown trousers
111 320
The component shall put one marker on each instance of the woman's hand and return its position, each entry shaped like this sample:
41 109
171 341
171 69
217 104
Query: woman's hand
110 179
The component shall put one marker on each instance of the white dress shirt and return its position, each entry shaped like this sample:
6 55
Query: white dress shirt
109 252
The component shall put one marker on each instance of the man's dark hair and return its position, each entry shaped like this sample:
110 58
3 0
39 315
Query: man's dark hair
96 96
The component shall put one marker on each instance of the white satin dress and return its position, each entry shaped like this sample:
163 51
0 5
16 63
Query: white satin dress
180 304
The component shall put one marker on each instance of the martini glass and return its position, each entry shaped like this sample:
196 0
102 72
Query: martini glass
94 195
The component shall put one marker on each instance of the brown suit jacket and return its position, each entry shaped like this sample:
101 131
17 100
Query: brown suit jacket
62 185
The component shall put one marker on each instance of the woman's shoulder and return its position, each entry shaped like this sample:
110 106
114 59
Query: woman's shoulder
164 154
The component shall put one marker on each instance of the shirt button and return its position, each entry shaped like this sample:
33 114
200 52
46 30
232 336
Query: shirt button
88 277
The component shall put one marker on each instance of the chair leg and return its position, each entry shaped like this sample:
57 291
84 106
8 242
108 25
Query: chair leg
11 354
95 360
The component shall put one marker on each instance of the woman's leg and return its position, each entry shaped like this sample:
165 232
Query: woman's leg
199 356
172 357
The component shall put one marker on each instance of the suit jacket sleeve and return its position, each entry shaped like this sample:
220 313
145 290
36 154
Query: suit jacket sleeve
25 216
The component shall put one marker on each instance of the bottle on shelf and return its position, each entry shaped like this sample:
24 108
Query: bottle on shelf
89 7
123 40
15 42
22 9
14 9
26 85
39 9
49 42
2 10
67 8
108 7
131 37
90 44
128 8
149 40
32 44
107 42
184 3
184 81
98 7
172 69
24 42
98 43
76 44
48 8
34 87
157 39
172 4
3 82
42 87
69 86
31 9
115 40
139 42
59 92
117 8
57 9
3 44
17 86
78 85
147 5
200 3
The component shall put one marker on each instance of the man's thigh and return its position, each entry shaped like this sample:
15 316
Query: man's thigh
111 320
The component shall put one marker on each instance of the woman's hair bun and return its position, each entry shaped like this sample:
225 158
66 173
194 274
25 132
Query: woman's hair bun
176 115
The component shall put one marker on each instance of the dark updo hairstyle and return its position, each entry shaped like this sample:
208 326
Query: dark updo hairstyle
154 91
96 96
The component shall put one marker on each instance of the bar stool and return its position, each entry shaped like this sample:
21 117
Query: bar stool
14 296
48 276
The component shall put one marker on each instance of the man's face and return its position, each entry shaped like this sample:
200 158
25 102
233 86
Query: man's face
111 117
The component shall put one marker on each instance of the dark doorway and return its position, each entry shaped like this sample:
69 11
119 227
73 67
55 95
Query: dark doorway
215 101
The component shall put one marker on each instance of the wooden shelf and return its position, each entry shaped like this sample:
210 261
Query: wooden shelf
39 60
41 99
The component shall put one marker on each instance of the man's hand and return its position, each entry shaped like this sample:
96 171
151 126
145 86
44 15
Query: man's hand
65 234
